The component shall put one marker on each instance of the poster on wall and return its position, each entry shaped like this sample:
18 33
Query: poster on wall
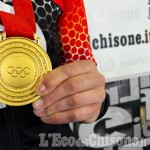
120 38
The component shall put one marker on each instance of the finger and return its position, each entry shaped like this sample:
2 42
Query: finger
94 117
75 115
60 74
75 101
71 86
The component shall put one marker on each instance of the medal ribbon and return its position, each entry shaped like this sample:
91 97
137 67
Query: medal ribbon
22 23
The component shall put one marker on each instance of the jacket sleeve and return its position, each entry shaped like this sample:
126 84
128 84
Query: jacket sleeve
73 33
74 37
104 107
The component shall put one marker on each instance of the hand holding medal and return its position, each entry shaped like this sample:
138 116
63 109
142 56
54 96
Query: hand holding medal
22 61
74 91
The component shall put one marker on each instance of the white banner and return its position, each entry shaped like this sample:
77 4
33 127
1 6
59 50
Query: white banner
120 36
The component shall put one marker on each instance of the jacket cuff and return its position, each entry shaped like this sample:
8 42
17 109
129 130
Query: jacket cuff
104 107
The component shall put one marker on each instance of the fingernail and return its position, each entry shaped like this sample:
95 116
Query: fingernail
38 113
38 104
45 119
41 89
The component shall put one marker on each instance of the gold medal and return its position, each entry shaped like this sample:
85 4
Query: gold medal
22 64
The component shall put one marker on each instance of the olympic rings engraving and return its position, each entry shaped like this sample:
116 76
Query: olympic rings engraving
18 71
